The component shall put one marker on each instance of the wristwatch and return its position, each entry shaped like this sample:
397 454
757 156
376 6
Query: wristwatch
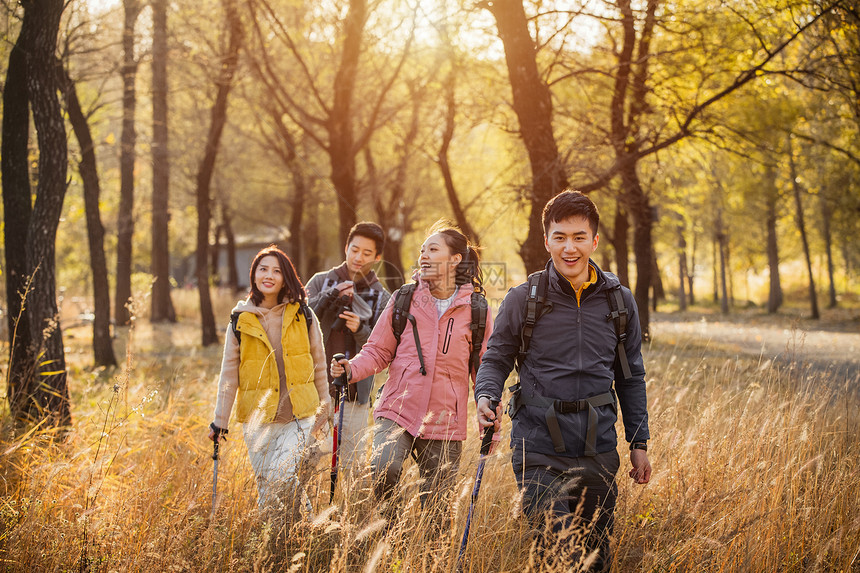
639 446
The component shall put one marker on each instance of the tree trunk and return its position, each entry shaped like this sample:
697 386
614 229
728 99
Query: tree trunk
801 226
17 211
396 275
626 108
102 344
682 266
297 217
730 276
230 238
162 306
622 250
442 160
656 279
691 270
724 298
209 334
715 265
774 298
639 207
342 150
532 103
125 215
392 208
310 228
827 235
284 145
38 387
215 254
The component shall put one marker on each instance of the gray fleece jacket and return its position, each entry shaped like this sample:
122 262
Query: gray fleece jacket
322 292
571 357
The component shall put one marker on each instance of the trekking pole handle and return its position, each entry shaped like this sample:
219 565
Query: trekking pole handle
341 380
487 438
216 439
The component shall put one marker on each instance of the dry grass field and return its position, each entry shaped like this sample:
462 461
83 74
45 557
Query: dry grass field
756 468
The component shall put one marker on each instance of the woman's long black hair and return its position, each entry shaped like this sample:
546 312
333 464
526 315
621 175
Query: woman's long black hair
469 269
293 289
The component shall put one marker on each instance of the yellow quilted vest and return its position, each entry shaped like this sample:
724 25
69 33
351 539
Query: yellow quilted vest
259 385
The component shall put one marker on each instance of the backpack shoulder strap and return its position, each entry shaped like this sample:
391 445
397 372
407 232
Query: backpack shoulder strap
618 313
478 327
306 310
533 310
234 321
400 313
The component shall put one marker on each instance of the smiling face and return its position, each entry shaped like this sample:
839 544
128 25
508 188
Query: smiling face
570 243
437 264
360 255
269 279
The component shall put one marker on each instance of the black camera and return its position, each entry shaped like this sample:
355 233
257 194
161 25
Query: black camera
341 304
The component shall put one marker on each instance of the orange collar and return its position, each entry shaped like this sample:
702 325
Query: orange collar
592 278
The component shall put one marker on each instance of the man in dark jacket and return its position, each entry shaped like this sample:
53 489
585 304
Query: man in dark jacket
348 300
564 406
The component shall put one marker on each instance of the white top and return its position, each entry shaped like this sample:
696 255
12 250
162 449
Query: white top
443 304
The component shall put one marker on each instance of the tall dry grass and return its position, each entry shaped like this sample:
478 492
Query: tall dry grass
757 468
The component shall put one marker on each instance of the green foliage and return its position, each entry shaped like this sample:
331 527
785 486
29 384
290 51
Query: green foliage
699 48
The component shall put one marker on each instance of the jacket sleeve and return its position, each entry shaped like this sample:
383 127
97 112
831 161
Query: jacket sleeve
631 393
378 352
228 381
502 347
318 300
318 353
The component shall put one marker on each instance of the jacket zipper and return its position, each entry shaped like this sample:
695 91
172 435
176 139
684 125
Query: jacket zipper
448 333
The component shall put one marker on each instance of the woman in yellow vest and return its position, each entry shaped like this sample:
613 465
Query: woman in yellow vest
274 370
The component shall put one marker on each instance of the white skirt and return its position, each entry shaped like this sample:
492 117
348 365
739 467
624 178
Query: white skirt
275 451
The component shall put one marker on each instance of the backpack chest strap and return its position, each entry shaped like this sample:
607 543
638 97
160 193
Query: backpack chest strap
555 407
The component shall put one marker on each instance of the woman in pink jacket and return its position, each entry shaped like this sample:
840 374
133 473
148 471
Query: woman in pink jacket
424 403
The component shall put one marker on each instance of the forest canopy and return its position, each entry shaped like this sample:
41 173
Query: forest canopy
719 140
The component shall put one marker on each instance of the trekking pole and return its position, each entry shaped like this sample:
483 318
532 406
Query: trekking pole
340 383
215 445
486 442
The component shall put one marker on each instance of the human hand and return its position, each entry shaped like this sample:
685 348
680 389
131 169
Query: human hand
219 435
641 471
487 416
346 288
337 369
353 322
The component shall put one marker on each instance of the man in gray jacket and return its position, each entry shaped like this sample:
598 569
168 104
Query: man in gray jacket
348 300
571 331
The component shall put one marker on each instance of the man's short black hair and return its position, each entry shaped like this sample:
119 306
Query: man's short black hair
568 204
370 231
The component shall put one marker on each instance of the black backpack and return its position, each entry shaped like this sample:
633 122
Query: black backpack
478 325
537 305
303 309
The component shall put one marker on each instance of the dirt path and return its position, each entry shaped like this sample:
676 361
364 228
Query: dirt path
826 346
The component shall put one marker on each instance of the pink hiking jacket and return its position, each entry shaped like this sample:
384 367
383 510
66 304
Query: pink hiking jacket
435 406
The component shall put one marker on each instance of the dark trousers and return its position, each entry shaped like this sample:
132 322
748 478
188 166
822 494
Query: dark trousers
438 461
570 502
